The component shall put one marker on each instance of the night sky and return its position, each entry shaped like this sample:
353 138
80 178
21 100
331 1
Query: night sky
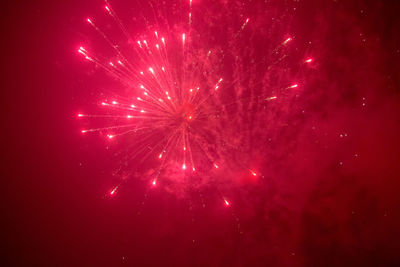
330 160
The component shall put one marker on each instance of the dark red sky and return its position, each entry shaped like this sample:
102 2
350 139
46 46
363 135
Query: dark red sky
312 211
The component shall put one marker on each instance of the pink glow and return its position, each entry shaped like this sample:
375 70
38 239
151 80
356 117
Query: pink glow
265 137
195 127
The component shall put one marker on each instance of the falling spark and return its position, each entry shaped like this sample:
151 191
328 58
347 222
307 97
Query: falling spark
271 98
226 202
113 192
287 40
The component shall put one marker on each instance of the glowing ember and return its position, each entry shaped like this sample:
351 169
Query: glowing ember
226 202
113 192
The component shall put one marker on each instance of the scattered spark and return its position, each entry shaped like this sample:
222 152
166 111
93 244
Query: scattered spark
113 191
226 202
287 40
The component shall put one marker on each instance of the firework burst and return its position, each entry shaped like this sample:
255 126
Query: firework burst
198 96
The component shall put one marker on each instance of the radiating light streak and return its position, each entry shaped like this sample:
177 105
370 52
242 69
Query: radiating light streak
166 101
